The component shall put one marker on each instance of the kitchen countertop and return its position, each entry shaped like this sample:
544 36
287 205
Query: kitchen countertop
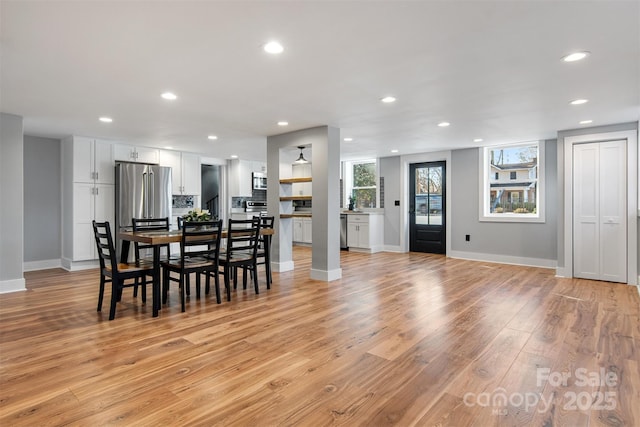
361 213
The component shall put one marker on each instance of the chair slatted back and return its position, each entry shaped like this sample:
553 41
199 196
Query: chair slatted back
148 224
200 240
104 244
266 222
242 237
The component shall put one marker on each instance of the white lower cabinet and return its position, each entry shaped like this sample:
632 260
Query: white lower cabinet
302 230
365 232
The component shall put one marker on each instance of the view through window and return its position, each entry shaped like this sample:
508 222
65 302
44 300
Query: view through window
363 189
512 177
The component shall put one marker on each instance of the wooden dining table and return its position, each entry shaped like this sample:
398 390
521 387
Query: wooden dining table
157 238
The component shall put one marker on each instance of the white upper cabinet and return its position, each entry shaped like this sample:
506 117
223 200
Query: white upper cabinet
185 171
191 174
92 160
129 153
240 183
173 159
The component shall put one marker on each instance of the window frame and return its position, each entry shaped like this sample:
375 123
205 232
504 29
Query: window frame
348 175
485 186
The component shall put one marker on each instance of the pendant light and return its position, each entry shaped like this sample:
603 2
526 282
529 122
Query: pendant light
301 159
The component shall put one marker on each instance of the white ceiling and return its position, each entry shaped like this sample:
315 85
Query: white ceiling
492 69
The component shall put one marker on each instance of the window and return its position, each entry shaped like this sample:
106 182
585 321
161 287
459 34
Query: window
361 178
520 197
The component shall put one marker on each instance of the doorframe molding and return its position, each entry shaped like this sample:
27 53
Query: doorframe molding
405 161
631 136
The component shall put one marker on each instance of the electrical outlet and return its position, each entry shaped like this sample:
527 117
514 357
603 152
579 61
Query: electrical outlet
467 237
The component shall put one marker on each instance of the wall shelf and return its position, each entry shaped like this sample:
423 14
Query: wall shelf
290 198
295 180
296 215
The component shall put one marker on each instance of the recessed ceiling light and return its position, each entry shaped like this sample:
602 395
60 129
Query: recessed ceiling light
233 156
348 139
388 99
586 122
169 148
283 123
273 47
575 56
579 101
170 96
394 151
105 119
444 124
478 140
213 137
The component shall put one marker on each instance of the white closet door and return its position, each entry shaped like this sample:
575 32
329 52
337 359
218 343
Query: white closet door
599 211
613 207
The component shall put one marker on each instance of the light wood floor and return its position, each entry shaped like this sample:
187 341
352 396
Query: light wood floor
402 339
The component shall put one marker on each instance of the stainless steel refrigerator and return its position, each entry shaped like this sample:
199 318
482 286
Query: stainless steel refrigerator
142 191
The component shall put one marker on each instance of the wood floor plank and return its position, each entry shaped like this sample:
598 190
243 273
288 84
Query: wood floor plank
400 340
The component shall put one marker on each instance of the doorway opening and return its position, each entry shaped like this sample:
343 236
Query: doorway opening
211 178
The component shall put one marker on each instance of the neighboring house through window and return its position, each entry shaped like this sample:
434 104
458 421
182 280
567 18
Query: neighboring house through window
512 183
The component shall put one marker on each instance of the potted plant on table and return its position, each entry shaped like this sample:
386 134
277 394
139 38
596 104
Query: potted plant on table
352 202
197 215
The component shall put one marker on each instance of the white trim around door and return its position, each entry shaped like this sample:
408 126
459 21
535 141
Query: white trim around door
405 161
631 136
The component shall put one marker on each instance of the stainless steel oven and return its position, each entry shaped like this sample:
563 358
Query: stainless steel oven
259 181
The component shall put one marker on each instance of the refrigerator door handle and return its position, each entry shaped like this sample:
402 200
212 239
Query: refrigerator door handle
150 199
145 194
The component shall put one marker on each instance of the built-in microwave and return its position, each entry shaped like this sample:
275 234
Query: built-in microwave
259 181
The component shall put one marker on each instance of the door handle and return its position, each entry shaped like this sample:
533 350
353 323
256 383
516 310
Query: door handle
152 201
145 194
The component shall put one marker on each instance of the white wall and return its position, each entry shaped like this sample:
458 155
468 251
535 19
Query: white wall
12 203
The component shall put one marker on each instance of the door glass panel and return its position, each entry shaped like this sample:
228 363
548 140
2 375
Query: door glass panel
428 197
422 196
435 195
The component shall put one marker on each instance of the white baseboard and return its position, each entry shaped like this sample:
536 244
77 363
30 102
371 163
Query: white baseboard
393 248
504 259
563 272
15 285
282 266
326 275
371 250
41 265
69 265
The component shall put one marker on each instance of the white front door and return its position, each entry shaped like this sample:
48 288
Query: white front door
599 211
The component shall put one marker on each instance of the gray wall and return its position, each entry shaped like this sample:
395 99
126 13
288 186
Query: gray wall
11 205
42 199
325 145
390 171
528 240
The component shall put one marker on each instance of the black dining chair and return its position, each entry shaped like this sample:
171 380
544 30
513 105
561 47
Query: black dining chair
116 273
263 253
199 252
148 224
241 252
